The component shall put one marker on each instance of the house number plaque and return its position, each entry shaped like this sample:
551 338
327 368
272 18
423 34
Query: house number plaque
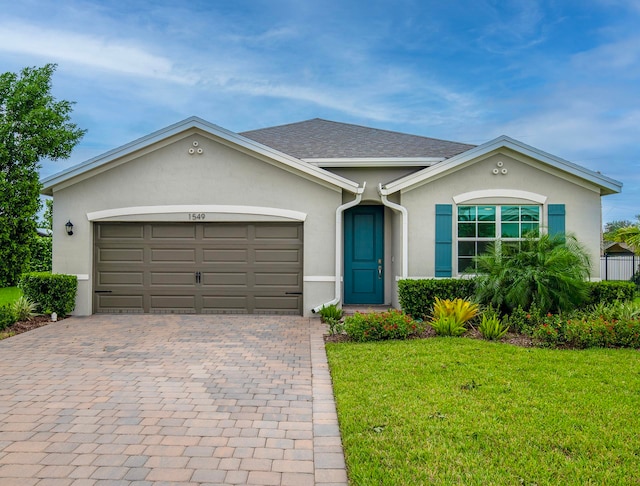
197 216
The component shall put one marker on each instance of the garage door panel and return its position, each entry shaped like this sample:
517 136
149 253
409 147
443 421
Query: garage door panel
120 255
173 255
173 231
113 302
274 304
179 279
226 231
225 279
278 232
275 255
198 268
120 232
277 279
120 278
173 302
225 304
225 255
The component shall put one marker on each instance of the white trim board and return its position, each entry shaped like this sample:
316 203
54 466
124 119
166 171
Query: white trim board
196 208
500 193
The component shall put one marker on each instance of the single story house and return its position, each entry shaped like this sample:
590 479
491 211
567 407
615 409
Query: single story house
198 219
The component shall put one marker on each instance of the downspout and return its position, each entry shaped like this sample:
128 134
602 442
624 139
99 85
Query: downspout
339 241
405 228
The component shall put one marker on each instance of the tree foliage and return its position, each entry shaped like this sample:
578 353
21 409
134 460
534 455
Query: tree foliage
611 227
629 235
33 126
549 272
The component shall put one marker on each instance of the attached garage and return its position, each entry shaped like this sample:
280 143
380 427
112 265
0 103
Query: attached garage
202 268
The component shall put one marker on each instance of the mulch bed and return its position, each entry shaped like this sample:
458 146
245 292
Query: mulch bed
510 338
24 326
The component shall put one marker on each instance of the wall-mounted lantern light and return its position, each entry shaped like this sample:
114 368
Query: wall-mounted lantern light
69 227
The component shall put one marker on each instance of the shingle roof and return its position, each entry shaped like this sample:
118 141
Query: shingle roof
324 139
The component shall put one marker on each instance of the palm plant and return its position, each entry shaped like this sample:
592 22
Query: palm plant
549 272
629 235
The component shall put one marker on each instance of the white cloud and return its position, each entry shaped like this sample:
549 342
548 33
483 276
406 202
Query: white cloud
116 56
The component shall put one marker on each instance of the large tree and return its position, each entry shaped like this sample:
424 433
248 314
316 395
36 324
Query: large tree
33 126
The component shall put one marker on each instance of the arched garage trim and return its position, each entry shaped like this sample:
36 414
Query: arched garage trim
196 209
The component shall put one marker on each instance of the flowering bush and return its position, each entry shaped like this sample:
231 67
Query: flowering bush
550 329
588 330
392 324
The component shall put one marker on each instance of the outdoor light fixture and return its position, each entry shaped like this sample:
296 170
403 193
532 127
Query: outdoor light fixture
69 227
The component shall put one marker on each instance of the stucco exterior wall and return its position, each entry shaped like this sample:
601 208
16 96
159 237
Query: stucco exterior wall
372 176
221 175
581 200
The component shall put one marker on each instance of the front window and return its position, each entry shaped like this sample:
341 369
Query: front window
479 226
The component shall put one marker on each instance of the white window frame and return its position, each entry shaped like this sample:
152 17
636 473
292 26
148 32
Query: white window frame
498 225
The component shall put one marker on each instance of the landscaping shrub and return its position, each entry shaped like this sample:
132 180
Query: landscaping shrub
53 292
24 309
549 272
600 326
7 317
336 326
448 326
491 327
449 316
417 296
332 316
392 324
522 321
607 291
330 312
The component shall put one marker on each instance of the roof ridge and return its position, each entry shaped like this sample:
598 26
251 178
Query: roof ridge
395 132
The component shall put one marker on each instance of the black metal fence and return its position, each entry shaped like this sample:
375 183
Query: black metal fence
623 267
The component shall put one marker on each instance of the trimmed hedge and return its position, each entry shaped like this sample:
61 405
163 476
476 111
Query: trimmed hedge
52 292
417 296
607 291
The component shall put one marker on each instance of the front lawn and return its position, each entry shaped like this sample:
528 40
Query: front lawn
463 411
9 295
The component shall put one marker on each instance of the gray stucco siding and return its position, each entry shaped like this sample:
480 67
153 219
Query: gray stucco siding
582 202
170 176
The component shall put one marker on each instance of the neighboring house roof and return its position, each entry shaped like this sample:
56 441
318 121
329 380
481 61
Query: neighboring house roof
270 154
617 248
416 179
324 139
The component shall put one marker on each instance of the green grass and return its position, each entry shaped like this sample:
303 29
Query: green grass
462 411
9 295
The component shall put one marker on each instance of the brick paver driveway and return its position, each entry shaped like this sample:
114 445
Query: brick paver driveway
134 400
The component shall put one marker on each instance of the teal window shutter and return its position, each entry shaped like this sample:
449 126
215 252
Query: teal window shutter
444 239
556 213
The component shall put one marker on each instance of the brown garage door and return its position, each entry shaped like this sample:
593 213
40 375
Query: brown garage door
198 268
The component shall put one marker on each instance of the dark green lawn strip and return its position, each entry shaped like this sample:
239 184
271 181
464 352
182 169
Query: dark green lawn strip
461 411
9 295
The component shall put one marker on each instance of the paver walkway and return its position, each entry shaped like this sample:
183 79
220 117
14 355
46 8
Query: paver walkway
137 400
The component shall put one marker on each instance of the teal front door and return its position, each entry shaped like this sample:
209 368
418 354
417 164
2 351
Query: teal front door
364 255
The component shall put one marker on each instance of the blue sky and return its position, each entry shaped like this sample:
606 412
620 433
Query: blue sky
561 75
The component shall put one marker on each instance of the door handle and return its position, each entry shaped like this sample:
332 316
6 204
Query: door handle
379 271
198 277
